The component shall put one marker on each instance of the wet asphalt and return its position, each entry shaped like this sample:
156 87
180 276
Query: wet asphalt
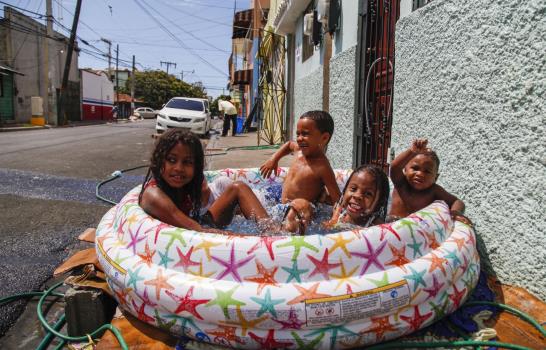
47 196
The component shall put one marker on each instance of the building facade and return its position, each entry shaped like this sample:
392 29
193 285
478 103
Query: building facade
473 83
22 43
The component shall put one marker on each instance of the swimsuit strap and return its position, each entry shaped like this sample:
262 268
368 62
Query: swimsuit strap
301 227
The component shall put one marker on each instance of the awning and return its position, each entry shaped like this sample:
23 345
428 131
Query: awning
243 18
8 69
242 77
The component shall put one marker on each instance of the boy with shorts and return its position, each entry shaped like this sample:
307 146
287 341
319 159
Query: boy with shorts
310 174
414 173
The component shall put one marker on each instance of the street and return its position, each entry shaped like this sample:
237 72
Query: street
47 195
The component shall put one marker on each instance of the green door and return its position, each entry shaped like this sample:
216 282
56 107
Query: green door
6 96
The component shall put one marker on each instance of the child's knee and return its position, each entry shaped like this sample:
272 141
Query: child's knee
239 186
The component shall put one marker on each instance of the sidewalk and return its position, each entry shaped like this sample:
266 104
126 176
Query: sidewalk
70 124
219 156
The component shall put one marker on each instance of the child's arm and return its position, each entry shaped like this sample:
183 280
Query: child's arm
157 204
330 183
272 164
336 213
456 206
398 164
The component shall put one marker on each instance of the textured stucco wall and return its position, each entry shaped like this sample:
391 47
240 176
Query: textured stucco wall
342 87
307 94
471 77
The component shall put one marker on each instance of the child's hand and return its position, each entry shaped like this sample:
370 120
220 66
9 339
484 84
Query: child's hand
328 225
269 167
458 216
419 146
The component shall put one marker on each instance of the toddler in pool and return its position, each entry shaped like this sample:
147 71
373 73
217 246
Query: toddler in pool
414 173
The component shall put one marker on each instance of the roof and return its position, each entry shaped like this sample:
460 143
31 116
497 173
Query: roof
6 68
125 98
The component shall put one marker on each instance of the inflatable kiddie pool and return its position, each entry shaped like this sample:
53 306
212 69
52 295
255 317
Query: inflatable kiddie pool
344 289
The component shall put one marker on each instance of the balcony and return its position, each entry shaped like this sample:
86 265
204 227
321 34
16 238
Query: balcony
287 15
241 23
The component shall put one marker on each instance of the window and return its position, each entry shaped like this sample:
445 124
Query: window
306 41
180 103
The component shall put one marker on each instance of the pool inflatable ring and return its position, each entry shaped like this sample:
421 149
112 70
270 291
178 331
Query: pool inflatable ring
344 289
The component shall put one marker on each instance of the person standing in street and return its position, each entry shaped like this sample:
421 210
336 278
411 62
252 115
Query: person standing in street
230 114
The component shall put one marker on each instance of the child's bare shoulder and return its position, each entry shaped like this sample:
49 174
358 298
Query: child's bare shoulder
153 196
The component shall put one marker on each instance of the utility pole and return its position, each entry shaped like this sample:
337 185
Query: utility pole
117 77
62 95
133 87
109 56
49 33
188 71
168 64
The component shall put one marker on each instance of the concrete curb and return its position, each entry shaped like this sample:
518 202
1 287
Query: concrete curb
26 128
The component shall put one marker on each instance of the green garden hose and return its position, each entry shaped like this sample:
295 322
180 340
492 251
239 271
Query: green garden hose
512 310
49 336
468 342
447 344
53 331
252 148
99 330
116 174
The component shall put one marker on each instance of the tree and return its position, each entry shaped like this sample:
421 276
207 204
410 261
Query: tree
155 88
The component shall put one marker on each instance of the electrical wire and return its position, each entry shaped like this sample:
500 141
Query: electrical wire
23 9
175 38
182 29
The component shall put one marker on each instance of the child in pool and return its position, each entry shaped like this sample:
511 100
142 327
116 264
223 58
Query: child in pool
364 199
414 173
175 190
310 174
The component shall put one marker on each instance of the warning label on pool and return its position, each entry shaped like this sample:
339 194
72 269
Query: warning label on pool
354 306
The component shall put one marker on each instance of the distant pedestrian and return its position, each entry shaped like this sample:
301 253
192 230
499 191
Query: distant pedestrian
115 113
230 114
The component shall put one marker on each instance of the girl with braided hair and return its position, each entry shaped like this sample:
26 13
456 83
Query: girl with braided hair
364 199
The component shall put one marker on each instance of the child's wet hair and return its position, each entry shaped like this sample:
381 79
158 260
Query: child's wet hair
322 119
163 146
434 158
381 184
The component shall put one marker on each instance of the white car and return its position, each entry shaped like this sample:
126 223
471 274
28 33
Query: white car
188 113
145 112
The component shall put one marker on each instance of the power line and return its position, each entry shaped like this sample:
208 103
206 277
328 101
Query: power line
185 31
25 10
82 22
159 45
175 38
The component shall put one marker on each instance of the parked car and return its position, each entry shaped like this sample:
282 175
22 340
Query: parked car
185 112
145 112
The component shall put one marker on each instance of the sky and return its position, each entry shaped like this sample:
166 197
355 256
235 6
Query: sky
194 34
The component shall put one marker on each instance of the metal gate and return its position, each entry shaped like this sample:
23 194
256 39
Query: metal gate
271 89
374 81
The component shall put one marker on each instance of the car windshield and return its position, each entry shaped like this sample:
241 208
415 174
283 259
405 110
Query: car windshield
185 104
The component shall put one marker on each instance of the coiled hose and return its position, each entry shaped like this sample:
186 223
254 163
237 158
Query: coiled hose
53 331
